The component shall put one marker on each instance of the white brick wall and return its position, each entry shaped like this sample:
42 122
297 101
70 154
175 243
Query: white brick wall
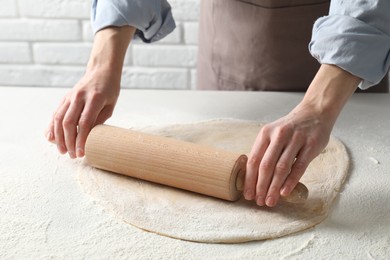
47 43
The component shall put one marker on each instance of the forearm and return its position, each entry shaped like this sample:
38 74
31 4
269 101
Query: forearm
109 50
329 91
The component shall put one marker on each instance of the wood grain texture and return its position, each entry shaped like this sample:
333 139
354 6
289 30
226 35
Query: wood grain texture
193 167
167 161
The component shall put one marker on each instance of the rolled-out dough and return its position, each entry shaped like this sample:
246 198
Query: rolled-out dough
189 216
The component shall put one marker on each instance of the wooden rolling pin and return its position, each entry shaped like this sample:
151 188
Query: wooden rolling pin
197 168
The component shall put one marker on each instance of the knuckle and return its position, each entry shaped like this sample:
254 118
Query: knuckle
106 113
282 168
273 189
281 129
261 190
85 123
314 144
265 130
298 135
58 118
253 161
266 165
96 96
311 143
67 97
67 123
109 113
282 132
78 96
300 166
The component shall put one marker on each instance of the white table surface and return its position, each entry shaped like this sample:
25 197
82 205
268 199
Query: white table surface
44 213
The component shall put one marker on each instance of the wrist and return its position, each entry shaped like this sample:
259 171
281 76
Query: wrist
106 70
330 90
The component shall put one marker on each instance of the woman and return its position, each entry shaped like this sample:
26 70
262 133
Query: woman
246 45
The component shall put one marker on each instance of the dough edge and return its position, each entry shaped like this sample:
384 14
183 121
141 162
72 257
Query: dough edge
212 237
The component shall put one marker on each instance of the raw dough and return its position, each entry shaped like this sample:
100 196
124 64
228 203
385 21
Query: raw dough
189 216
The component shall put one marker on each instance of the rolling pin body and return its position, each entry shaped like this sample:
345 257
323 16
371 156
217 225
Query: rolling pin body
167 161
193 167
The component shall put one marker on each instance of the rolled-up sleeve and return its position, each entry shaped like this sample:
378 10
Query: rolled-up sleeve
355 36
152 18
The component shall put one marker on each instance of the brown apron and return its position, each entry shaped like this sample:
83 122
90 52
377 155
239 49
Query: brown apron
258 44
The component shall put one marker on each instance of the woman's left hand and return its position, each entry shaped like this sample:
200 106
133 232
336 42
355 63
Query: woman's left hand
284 148
281 153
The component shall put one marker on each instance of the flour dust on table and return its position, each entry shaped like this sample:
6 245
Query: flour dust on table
188 216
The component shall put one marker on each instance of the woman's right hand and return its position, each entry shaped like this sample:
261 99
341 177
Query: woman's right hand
93 98
89 103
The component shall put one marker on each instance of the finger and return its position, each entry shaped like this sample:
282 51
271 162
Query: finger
297 170
266 171
49 133
105 114
58 130
69 124
84 131
281 172
252 166
86 122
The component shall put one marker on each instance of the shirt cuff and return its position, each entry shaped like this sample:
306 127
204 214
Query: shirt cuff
352 45
152 18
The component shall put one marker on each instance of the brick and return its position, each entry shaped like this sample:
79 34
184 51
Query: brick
15 52
39 30
67 53
62 53
171 56
185 10
154 78
68 76
87 31
42 76
194 78
129 56
191 33
8 8
55 8
36 50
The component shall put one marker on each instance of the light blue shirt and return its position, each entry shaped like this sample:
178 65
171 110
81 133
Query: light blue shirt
355 36
152 18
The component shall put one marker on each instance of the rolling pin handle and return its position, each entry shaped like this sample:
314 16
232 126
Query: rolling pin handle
240 180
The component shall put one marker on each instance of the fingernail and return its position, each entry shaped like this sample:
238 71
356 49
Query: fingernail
284 191
80 152
49 136
62 149
248 195
270 201
260 201
71 154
